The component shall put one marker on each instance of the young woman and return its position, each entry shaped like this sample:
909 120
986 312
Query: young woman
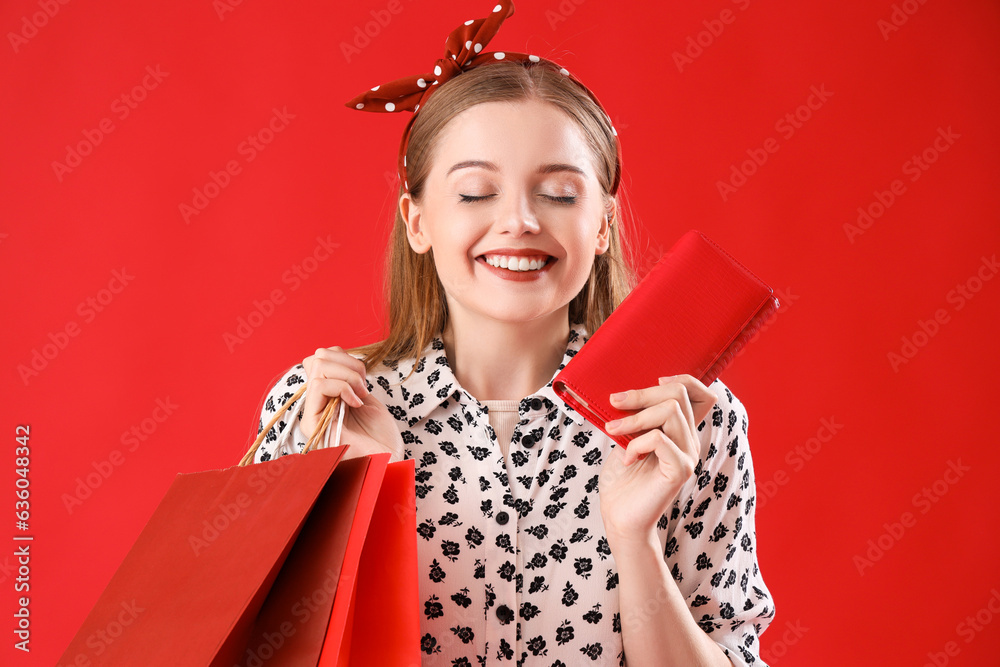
541 542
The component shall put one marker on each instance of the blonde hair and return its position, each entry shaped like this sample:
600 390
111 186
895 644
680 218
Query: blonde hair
417 309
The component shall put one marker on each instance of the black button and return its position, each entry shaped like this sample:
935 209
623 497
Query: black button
502 518
536 404
528 441
505 614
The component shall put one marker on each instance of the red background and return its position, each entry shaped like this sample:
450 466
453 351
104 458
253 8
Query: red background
849 301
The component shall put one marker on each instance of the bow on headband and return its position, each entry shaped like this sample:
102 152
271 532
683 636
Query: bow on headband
463 51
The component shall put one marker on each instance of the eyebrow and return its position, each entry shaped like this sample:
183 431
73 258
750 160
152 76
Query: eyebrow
490 166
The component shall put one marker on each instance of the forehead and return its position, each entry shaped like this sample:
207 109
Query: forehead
513 133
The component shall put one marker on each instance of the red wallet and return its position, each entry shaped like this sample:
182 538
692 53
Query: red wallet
690 314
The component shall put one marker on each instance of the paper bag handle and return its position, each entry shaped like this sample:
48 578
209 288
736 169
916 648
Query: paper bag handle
321 429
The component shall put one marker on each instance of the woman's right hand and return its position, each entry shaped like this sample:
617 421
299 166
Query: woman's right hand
368 427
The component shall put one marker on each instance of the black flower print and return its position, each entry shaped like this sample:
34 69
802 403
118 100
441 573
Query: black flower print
564 633
433 608
594 616
708 624
552 510
593 457
570 596
464 633
721 484
592 651
505 652
437 574
538 585
537 646
537 561
694 528
703 562
429 645
719 533
450 550
506 571
473 537
462 599
426 529
449 519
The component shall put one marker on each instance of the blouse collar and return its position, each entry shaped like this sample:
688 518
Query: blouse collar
435 383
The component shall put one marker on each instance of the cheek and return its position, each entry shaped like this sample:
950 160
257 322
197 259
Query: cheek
453 248
583 249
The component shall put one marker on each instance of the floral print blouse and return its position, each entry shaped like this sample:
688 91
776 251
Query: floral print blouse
513 559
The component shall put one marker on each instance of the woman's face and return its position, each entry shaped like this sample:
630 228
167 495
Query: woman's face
509 177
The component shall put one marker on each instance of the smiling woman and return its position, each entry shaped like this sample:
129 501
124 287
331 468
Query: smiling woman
538 171
539 541
479 142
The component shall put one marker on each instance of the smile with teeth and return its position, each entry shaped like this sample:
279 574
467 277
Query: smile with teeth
516 263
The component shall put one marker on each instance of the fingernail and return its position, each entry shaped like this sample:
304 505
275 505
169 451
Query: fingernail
613 424
620 396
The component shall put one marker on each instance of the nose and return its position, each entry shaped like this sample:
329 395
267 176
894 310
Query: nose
517 215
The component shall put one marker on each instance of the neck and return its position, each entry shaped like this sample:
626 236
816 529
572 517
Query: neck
497 360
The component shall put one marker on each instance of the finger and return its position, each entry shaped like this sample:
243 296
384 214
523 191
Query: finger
337 355
637 450
702 398
321 390
667 417
669 455
672 464
683 399
672 406
350 360
636 399
689 437
327 358
653 442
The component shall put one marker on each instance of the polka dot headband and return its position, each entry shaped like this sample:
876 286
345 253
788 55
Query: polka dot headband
463 51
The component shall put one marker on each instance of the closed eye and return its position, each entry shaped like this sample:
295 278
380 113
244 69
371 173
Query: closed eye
562 200
475 198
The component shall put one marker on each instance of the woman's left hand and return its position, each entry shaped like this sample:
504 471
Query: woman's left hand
634 488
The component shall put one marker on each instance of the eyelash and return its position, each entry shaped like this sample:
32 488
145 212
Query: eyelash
468 199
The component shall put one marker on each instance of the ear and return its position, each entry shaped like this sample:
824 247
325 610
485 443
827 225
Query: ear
604 232
411 214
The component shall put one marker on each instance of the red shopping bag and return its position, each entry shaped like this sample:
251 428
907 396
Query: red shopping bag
305 559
